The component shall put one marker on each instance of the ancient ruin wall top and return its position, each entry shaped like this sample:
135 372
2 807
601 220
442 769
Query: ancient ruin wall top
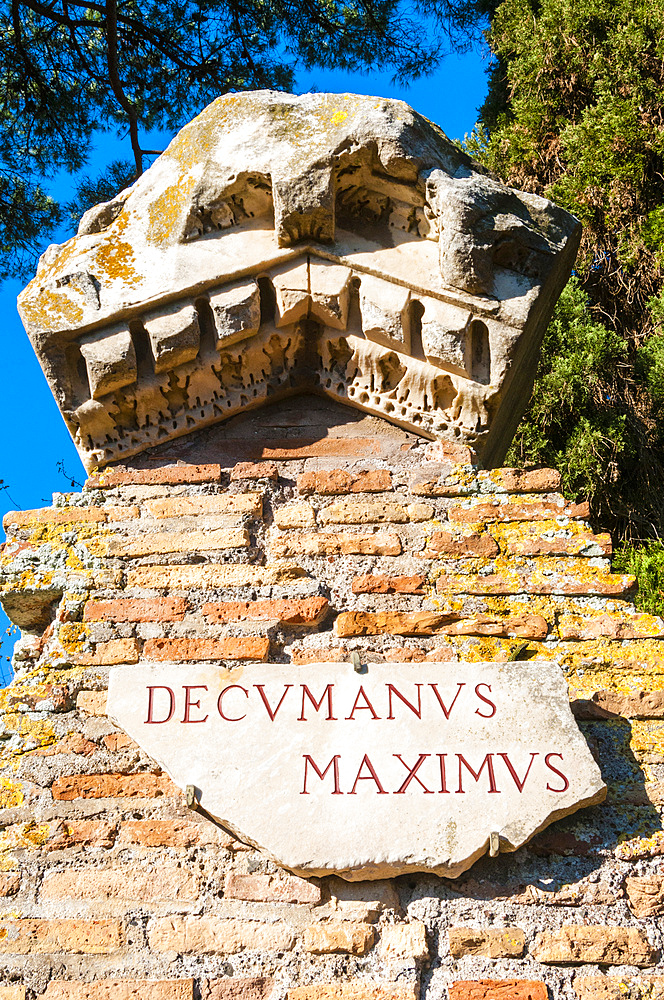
333 243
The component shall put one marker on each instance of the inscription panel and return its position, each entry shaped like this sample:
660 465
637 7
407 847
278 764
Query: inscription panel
405 767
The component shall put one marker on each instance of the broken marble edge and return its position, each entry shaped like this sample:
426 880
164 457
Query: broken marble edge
380 870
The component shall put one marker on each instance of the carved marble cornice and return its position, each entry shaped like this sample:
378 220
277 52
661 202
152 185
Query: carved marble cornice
281 244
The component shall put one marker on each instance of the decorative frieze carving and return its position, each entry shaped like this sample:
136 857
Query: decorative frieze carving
363 256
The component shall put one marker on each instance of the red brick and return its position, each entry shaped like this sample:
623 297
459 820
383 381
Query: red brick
524 626
254 470
594 944
23 699
498 989
106 654
524 480
523 510
382 543
291 449
565 582
535 543
403 654
619 987
354 989
610 626
442 543
231 648
193 935
134 609
332 936
116 742
177 833
489 942
230 504
378 584
271 889
306 611
91 703
564 843
646 895
352 623
172 475
10 883
103 786
449 451
120 989
54 515
81 833
71 743
342 481
34 936
333 654
251 988
128 882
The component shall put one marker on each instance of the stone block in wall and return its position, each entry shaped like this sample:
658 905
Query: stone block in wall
594 944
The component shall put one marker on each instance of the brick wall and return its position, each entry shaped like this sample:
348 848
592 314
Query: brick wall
111 887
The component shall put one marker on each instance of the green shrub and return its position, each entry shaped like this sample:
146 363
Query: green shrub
646 563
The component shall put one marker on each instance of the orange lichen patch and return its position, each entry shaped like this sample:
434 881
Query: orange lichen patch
116 260
52 310
11 793
23 836
549 537
72 636
41 684
647 741
168 212
600 669
610 625
641 847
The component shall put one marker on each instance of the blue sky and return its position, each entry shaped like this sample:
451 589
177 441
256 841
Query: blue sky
37 456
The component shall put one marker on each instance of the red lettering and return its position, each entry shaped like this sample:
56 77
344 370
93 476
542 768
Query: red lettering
261 692
220 699
368 705
188 703
317 704
517 781
372 776
416 711
556 771
412 773
159 722
443 784
486 700
447 711
334 763
488 763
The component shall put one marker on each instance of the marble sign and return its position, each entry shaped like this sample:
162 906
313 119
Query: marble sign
401 768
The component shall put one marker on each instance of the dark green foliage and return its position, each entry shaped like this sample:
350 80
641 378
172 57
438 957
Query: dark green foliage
572 421
69 68
576 112
646 563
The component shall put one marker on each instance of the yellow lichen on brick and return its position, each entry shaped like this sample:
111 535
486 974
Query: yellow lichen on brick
647 740
72 636
11 793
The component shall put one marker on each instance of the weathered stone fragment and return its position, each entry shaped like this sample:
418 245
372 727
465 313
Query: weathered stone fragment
383 768
251 224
